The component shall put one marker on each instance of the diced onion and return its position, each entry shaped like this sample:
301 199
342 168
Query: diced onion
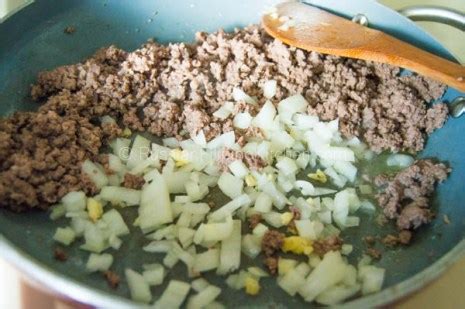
138 287
99 262
174 295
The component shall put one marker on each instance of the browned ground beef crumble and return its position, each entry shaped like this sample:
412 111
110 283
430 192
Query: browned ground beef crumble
330 243
405 197
132 181
173 90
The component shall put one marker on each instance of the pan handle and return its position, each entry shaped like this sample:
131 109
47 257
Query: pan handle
446 16
437 14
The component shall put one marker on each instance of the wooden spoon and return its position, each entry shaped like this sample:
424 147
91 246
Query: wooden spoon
313 29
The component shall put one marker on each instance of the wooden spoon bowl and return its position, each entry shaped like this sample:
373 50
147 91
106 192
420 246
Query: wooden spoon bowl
313 29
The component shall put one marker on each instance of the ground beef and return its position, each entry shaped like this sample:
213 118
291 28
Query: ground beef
112 278
369 240
60 255
272 262
173 90
331 243
227 156
254 220
374 253
132 181
272 242
404 237
405 197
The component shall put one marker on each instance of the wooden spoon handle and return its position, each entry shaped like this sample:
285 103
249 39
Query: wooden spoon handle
387 49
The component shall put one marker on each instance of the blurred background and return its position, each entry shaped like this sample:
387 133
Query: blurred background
446 292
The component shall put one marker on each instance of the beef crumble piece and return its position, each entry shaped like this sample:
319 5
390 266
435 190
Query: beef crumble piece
60 255
228 156
272 242
404 237
405 197
254 220
112 278
132 181
374 253
173 90
272 262
331 243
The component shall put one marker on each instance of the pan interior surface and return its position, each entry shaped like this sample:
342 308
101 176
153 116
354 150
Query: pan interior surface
33 40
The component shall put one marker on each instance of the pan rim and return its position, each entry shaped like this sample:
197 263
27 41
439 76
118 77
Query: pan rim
45 277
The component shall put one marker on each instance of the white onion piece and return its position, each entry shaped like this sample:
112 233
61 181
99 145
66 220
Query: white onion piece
337 294
399 160
281 140
167 232
204 298
287 166
155 205
322 191
279 199
229 208
273 219
294 279
207 260
74 201
95 173
99 262
64 235
305 122
293 104
120 196
224 140
326 274
115 223
264 118
230 254
309 229
347 169
372 278
251 245
138 287
176 181
224 111
160 152
115 164
263 203
341 208
339 180
335 153
174 295
238 169
154 275
211 232
240 95
269 88
95 240
260 230
120 147
199 284
242 120
305 187
170 142
158 246
139 151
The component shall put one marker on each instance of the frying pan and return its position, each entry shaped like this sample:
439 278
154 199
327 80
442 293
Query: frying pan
33 40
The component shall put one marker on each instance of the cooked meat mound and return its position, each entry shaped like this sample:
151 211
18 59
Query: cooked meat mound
169 90
405 197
